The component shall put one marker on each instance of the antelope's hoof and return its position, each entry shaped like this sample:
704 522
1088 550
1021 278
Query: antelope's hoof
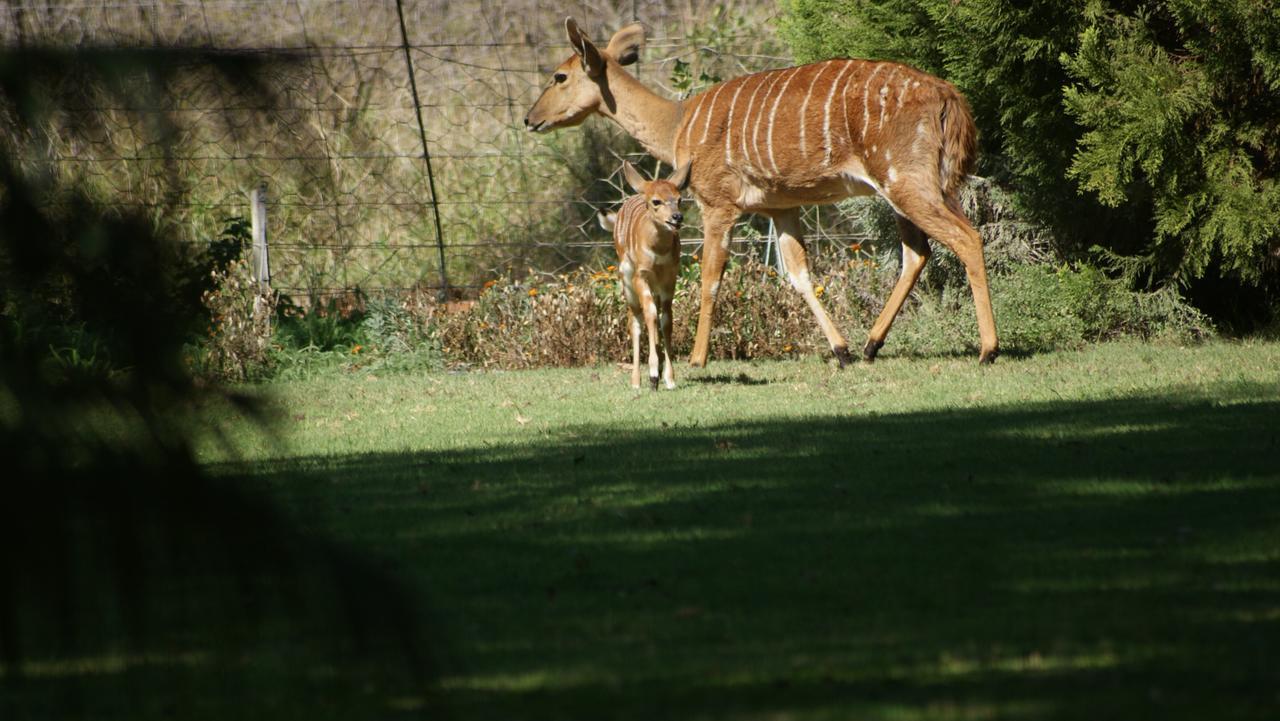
988 357
842 355
870 350
653 382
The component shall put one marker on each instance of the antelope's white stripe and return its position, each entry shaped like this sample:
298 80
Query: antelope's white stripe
884 104
728 126
711 111
773 113
844 110
804 118
760 115
697 110
866 100
826 115
746 118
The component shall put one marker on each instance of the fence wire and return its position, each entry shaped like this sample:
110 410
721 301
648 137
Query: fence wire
352 202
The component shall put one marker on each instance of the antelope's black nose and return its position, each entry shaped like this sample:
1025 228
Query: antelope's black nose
677 217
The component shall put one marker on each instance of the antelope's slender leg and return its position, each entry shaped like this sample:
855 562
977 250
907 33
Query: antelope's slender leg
791 246
664 321
634 319
650 309
915 253
717 231
943 221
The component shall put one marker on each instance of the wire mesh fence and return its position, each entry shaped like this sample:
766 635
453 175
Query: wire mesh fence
392 147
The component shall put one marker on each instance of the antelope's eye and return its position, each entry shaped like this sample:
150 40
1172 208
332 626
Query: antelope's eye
560 77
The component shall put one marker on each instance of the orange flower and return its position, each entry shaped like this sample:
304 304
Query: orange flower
786 348
533 292
611 268
856 247
489 284
356 348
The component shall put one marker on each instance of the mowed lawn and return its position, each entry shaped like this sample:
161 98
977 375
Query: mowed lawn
1091 534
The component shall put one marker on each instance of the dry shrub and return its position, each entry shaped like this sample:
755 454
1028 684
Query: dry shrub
240 328
580 318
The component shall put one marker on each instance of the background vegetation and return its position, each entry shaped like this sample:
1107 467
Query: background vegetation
1146 130
1168 195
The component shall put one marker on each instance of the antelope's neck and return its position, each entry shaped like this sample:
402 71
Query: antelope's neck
662 238
645 115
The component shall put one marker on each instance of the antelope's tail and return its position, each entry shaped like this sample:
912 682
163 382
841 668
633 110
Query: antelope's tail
607 220
959 142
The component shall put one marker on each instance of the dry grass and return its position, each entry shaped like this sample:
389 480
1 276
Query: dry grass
339 145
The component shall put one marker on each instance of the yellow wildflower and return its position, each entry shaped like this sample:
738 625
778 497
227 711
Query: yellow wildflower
533 292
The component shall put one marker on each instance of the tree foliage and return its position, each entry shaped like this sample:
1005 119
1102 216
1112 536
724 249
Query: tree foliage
1147 128
1183 97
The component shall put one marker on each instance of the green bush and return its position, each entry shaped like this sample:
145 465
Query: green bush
1180 102
1148 129
580 319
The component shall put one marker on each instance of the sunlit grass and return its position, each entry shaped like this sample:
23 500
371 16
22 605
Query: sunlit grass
1058 536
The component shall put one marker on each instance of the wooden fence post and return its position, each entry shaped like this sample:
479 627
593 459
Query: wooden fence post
260 263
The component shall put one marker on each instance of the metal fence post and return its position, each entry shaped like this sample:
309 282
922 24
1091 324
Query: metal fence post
443 295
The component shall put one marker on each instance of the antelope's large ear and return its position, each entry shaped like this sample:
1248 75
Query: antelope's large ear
680 176
625 44
592 61
633 176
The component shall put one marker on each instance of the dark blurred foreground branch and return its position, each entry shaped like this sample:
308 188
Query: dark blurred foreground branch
133 583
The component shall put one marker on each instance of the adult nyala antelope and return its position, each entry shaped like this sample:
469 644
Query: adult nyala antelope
646 234
773 141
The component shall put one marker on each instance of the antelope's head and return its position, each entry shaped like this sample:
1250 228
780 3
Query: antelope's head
661 197
579 85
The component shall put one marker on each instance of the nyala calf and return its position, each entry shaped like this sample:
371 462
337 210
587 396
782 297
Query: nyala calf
646 235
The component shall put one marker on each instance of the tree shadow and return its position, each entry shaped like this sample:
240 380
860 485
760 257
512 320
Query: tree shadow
741 379
133 584
1056 560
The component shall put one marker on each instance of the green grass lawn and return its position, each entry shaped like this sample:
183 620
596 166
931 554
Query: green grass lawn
1090 534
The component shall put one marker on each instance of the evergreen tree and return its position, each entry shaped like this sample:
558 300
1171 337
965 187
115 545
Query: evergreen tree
1150 129
1181 99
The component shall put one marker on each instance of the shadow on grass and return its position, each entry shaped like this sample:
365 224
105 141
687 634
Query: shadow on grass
1063 560
742 379
132 584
